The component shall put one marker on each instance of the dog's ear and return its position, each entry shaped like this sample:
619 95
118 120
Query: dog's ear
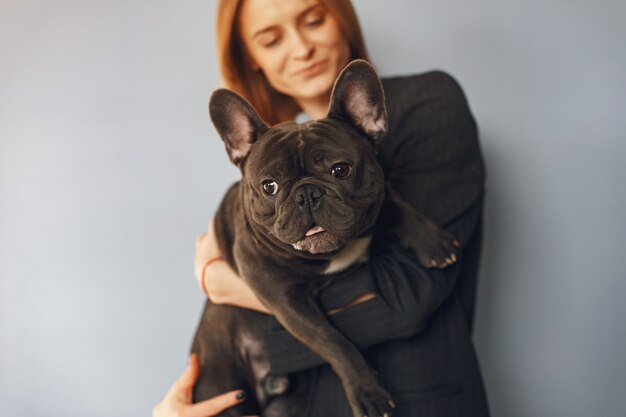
236 121
358 98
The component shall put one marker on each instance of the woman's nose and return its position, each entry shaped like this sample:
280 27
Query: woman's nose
302 47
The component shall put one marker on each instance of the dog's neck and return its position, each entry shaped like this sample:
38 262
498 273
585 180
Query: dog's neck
355 252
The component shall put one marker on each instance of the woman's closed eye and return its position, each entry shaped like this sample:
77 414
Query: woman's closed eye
268 40
314 19
312 23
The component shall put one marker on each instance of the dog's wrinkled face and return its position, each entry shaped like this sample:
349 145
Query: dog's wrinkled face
314 186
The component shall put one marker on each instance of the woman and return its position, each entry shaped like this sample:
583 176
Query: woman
413 325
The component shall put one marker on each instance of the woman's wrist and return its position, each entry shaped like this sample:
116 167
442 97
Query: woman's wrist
216 281
206 264
224 286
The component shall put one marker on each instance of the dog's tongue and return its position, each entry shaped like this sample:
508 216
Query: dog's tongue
314 230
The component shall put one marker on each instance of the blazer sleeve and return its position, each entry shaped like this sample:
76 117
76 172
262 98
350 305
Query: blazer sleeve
432 158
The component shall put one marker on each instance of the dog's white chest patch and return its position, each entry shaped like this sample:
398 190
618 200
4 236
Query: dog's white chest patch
355 251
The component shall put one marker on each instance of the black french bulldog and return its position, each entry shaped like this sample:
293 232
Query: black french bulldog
306 208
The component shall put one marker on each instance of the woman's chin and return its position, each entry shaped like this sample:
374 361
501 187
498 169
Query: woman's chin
315 88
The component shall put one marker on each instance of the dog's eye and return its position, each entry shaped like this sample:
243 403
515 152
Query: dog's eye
270 187
341 170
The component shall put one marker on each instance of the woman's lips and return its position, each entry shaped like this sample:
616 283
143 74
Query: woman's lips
312 70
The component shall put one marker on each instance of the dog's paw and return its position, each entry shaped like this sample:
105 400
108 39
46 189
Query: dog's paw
435 248
370 399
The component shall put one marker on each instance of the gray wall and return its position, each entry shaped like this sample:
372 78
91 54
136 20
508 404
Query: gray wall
109 168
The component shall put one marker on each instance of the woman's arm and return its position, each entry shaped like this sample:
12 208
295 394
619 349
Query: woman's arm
432 158
221 284
407 295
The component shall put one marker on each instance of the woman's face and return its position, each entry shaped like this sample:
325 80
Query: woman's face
296 43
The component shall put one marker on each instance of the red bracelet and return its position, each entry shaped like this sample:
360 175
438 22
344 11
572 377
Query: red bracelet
206 264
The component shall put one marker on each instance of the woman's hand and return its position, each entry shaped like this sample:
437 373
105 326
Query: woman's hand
222 284
177 402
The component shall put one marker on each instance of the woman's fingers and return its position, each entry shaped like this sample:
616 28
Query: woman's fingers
188 378
216 405
177 402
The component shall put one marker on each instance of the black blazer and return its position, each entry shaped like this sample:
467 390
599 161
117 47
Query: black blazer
416 332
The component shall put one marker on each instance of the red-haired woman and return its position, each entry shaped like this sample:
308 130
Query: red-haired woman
412 324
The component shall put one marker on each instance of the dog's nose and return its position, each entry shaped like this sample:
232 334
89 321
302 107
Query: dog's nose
308 195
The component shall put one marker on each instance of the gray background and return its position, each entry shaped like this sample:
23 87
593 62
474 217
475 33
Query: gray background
109 168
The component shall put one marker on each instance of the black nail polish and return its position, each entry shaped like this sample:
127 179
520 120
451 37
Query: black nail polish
241 395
